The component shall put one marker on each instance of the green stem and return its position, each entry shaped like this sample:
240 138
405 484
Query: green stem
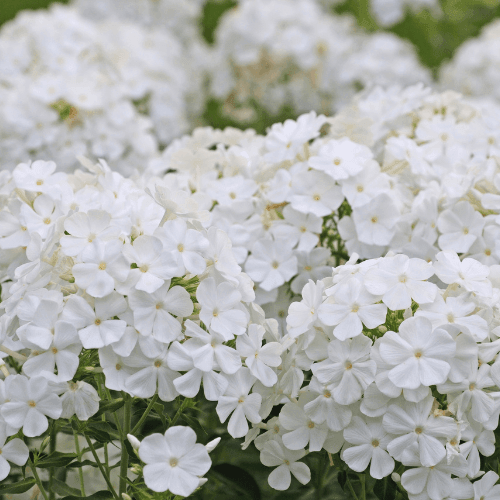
178 413
101 468
138 425
80 471
124 457
52 449
351 489
363 486
37 479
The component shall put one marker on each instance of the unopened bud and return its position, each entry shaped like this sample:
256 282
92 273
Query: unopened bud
211 446
133 441
396 477
126 497
136 469
44 444
203 480
382 328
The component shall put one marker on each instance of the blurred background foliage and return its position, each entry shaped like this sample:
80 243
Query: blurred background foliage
240 474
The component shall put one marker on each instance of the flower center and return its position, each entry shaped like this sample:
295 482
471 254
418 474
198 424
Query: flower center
348 365
451 318
402 278
180 247
232 196
374 219
337 161
316 197
375 443
97 322
327 394
419 430
47 221
308 268
360 189
418 354
173 462
465 230
487 252
472 387
303 229
54 350
215 313
310 425
158 306
31 403
144 268
275 265
355 308
102 266
39 182
118 367
157 363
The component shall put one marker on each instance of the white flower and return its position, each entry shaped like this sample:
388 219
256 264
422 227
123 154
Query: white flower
369 440
102 264
240 403
275 454
351 306
419 354
219 308
154 265
31 401
38 176
260 358
84 228
80 399
375 222
399 280
469 273
186 246
413 424
271 264
14 451
347 371
153 311
303 430
174 461
341 159
96 328
486 488
302 315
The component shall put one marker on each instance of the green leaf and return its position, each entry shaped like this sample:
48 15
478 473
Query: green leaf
106 427
98 495
55 459
19 487
77 464
109 406
61 488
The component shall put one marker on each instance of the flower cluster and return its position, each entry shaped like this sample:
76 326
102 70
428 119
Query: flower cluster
390 12
405 375
89 89
475 67
271 56
97 270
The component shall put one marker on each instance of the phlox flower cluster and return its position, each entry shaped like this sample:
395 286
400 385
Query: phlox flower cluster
273 54
111 89
390 12
475 66
392 363
100 273
434 185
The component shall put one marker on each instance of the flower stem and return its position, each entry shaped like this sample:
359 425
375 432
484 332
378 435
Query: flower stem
52 449
80 471
178 413
363 486
138 425
101 468
351 489
37 479
124 457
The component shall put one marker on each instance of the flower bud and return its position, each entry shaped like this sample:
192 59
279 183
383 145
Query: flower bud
133 441
136 469
126 497
382 328
211 446
396 477
203 480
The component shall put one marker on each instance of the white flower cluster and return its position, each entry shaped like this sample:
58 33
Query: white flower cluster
181 18
475 66
436 184
97 271
405 375
271 56
390 12
89 89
